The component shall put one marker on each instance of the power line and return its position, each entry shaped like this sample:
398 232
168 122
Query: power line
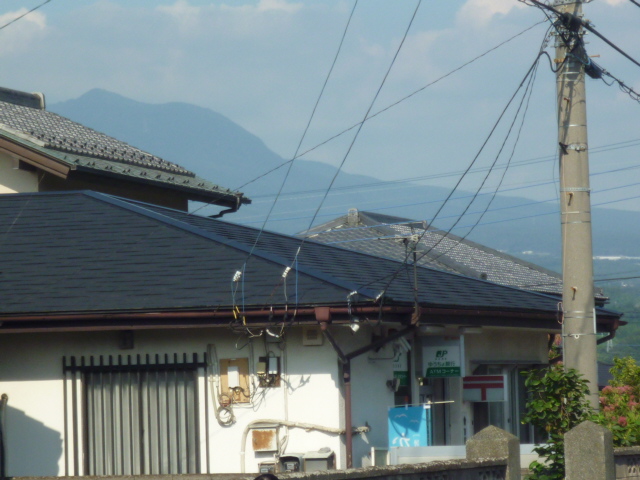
366 116
24 14
304 133
529 91
415 92
520 163
573 23
491 132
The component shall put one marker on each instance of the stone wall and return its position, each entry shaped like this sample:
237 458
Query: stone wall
627 462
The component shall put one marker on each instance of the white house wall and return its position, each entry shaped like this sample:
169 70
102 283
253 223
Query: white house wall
14 180
31 375
370 396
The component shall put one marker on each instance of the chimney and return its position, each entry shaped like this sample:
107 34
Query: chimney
352 217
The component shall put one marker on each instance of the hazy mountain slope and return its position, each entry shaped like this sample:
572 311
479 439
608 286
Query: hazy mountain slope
220 150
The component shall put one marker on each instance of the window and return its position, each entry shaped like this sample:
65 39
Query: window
133 418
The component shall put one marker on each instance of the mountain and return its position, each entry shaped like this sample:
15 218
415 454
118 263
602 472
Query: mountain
220 150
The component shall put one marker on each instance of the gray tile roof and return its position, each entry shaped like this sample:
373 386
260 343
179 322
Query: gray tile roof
83 148
387 236
76 252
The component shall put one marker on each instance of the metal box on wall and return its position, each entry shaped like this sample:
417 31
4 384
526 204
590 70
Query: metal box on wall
323 459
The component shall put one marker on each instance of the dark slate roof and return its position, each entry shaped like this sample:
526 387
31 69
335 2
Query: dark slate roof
72 252
83 148
387 236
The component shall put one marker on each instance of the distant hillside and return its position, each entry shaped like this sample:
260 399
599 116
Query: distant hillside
222 151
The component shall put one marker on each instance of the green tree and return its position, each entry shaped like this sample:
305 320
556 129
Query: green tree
557 403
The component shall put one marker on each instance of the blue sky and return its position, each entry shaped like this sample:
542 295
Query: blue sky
263 63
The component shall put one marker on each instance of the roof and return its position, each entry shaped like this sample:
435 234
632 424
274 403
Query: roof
24 121
389 236
85 252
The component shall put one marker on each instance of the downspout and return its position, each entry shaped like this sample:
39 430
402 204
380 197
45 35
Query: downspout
235 208
3 446
323 316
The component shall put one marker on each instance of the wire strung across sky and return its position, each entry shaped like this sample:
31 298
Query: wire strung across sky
24 14
384 183
391 278
403 99
304 133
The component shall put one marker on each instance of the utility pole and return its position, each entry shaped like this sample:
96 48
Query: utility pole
579 335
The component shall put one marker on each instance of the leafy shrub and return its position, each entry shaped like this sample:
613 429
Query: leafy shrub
557 403
620 403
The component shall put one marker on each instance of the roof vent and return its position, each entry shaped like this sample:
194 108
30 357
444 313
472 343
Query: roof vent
352 217
24 99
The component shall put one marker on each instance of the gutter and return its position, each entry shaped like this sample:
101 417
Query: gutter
307 311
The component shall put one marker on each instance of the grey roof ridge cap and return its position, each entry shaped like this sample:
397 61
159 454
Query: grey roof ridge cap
139 209
479 246
23 135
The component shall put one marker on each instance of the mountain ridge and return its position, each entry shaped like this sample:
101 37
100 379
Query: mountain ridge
216 148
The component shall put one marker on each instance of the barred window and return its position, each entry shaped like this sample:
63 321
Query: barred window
132 417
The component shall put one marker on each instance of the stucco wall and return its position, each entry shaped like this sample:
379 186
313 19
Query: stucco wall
31 374
14 180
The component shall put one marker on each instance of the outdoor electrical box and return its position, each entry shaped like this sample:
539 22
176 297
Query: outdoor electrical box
323 459
290 463
267 467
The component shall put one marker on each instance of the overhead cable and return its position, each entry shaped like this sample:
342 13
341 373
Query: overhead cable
24 14
406 97
306 129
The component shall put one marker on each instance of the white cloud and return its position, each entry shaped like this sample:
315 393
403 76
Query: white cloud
283 5
18 36
481 12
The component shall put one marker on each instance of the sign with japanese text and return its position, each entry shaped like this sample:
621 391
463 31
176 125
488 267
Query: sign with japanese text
441 357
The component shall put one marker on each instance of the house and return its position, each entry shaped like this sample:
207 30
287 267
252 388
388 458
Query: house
395 237
138 339
41 152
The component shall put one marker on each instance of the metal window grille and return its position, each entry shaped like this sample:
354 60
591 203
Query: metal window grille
133 417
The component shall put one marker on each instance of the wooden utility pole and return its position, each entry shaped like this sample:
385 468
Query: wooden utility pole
579 334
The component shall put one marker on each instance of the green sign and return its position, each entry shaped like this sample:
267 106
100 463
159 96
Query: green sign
441 357
403 377
438 372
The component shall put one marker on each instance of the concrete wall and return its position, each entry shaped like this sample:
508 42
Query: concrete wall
13 179
31 374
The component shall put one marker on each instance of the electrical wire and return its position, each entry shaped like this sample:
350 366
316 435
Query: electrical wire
24 14
306 129
373 101
520 163
481 149
565 18
406 97
527 95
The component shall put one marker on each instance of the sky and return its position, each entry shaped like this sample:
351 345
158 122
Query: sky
263 63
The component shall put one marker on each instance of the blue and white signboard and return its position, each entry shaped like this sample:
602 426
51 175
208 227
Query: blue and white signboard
410 426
